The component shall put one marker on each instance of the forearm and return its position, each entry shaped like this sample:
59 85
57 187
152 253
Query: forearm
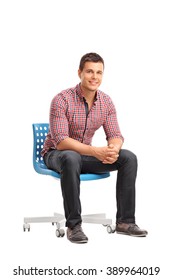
99 152
116 142
74 145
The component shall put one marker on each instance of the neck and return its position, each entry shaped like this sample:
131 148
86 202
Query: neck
88 94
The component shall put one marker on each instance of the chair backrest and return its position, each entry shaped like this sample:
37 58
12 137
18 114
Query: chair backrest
40 131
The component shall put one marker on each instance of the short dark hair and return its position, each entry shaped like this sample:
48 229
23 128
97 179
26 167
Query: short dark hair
93 57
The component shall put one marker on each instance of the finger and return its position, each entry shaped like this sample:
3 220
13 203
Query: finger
109 160
106 162
112 154
112 157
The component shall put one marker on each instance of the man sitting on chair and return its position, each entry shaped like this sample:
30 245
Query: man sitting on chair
75 114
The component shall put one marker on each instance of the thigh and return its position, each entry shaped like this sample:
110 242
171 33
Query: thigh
93 165
57 160
52 160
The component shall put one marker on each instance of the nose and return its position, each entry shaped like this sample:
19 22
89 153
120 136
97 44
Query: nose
94 75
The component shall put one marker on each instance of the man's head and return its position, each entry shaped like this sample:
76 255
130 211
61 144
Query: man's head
92 57
90 72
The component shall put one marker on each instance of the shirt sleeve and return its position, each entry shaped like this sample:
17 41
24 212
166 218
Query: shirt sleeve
111 126
58 121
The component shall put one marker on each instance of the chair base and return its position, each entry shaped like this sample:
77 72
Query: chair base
96 219
59 220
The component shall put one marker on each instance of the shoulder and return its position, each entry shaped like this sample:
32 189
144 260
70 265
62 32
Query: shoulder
65 95
104 97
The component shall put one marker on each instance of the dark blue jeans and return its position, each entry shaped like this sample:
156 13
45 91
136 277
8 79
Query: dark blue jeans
71 164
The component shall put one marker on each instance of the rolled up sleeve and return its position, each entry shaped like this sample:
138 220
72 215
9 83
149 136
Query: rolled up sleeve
111 126
58 121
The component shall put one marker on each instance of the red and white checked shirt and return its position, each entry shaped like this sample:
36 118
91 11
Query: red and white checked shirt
69 118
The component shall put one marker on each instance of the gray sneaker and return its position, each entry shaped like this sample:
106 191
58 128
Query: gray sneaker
76 234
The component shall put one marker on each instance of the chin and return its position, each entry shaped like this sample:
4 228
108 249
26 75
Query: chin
93 88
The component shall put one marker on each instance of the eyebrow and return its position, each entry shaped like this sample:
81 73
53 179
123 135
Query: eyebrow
93 70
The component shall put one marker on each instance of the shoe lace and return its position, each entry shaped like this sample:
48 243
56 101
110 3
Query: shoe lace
133 226
77 229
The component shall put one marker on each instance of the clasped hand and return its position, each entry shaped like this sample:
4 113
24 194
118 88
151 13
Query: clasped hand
108 154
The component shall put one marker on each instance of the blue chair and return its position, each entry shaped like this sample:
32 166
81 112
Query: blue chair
40 131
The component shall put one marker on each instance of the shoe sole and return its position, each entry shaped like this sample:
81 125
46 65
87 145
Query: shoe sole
129 234
78 242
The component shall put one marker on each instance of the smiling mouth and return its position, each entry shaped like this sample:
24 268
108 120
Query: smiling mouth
93 83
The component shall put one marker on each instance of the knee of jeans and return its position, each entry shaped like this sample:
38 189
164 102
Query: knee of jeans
71 159
129 156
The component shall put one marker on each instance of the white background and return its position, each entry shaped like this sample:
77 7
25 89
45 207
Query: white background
41 46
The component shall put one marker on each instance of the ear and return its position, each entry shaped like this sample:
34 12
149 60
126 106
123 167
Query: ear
79 73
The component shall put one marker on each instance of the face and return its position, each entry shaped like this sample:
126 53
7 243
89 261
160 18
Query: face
91 76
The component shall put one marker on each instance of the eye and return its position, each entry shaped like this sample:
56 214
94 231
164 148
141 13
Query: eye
89 71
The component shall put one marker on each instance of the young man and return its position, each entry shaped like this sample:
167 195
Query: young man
75 115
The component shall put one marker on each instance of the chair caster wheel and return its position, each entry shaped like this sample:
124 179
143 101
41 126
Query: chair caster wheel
110 229
60 232
26 227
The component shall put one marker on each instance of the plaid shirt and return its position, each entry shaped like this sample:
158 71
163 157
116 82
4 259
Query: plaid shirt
69 118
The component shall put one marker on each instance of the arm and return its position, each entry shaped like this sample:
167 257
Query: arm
113 134
117 142
74 145
101 153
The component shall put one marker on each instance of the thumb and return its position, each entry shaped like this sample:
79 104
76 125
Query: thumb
111 146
